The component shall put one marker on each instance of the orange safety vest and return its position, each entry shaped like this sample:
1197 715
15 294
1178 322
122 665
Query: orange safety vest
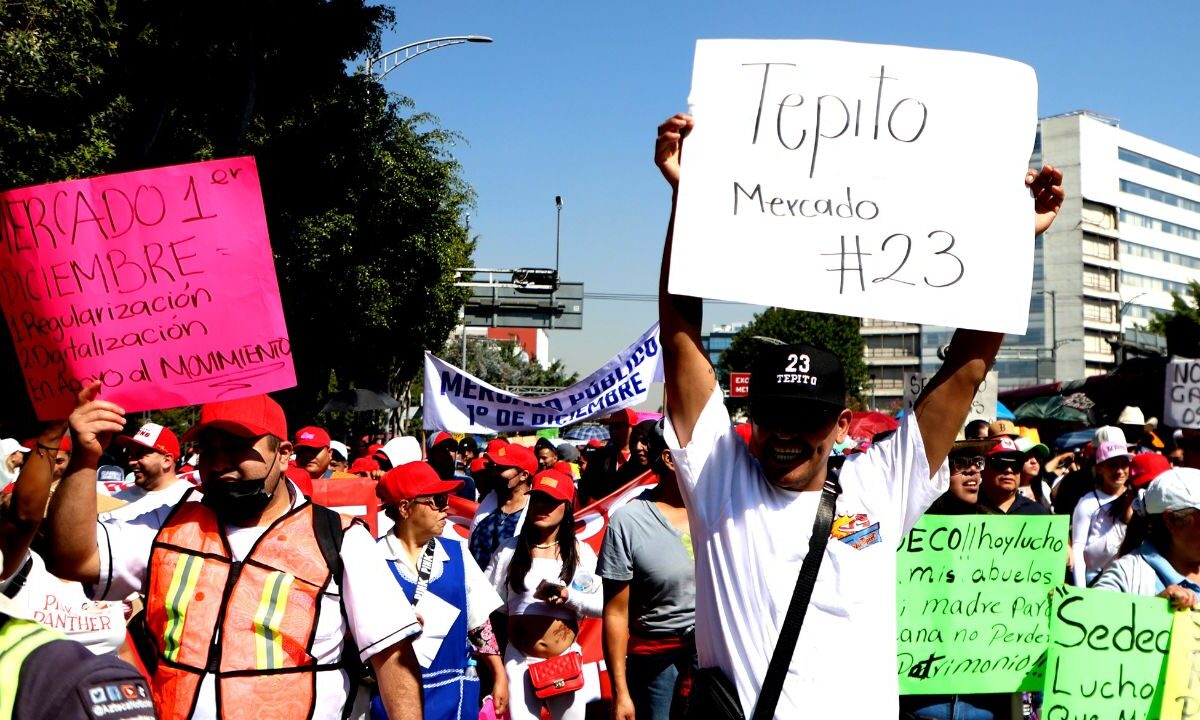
265 608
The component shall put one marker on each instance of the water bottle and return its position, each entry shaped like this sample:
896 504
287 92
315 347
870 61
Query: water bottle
471 673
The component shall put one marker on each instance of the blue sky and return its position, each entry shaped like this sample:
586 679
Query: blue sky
567 99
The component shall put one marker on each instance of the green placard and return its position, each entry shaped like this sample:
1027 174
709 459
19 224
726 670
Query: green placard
973 602
548 433
1108 656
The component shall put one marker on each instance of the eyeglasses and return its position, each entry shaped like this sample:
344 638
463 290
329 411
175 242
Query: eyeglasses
963 464
437 502
1005 464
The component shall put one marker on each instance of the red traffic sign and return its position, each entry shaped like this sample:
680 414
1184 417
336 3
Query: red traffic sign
739 384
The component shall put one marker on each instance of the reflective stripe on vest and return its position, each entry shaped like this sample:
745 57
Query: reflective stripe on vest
18 639
263 609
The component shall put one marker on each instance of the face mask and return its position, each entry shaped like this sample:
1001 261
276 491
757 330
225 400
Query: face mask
238 500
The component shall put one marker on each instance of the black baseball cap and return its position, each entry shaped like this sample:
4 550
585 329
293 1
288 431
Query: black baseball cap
790 379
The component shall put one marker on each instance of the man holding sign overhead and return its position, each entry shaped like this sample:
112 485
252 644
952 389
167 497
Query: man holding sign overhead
755 508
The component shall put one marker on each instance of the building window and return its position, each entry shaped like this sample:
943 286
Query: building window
1161 196
1102 248
1158 166
1099 312
1095 344
1151 223
1129 249
1097 279
1130 281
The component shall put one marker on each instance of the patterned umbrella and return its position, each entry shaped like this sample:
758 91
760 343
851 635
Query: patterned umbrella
585 432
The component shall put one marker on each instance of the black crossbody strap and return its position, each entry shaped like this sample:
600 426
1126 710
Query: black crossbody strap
781 659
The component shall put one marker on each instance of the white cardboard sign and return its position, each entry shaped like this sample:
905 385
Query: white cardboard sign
983 405
1181 393
868 180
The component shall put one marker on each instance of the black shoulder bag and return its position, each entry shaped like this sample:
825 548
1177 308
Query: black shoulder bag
713 695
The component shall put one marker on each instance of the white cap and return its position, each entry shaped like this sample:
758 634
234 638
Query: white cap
1131 415
8 446
1109 434
340 448
1175 489
403 449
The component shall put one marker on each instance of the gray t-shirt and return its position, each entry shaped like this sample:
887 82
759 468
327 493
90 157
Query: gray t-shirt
641 546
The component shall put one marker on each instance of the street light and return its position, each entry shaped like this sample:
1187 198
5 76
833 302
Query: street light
393 59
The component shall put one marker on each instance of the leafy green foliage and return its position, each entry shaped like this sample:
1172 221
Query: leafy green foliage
364 201
1181 307
837 333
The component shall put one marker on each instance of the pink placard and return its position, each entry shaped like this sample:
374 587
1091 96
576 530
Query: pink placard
158 283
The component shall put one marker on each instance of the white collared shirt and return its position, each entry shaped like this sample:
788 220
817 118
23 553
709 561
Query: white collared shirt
482 599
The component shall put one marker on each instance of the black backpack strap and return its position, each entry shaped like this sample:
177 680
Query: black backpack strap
327 525
781 658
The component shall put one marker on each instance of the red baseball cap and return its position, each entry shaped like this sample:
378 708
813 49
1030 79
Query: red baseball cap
313 437
554 484
512 455
479 463
628 415
595 443
441 438
744 431
411 480
364 464
245 417
65 445
563 467
301 478
496 444
1005 446
1147 466
154 436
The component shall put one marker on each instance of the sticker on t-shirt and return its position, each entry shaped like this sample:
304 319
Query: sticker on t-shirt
857 531
125 700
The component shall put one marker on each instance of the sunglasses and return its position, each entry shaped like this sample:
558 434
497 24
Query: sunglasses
963 464
1005 464
800 420
437 502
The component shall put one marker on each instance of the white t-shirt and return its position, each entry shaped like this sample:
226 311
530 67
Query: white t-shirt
62 605
750 539
141 501
379 614
585 596
1096 536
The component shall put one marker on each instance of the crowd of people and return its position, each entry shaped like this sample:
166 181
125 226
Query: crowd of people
202 575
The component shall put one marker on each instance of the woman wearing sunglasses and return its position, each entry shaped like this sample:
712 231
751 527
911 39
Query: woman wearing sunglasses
447 589
548 582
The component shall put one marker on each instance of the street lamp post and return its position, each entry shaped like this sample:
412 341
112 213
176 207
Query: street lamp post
393 59
557 230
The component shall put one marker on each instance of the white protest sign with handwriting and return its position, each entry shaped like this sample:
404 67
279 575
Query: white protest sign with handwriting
983 405
457 401
869 180
1181 393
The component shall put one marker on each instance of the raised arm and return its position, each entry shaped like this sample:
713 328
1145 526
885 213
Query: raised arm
942 408
72 518
688 374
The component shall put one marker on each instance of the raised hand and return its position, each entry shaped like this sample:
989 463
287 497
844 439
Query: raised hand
93 422
669 146
1046 187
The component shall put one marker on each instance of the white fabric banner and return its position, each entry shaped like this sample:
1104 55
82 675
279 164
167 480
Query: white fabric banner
866 180
458 402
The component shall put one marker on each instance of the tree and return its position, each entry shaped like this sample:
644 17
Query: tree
364 201
837 333
1181 326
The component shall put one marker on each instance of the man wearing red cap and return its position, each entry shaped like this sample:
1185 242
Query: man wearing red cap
252 593
151 452
313 454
